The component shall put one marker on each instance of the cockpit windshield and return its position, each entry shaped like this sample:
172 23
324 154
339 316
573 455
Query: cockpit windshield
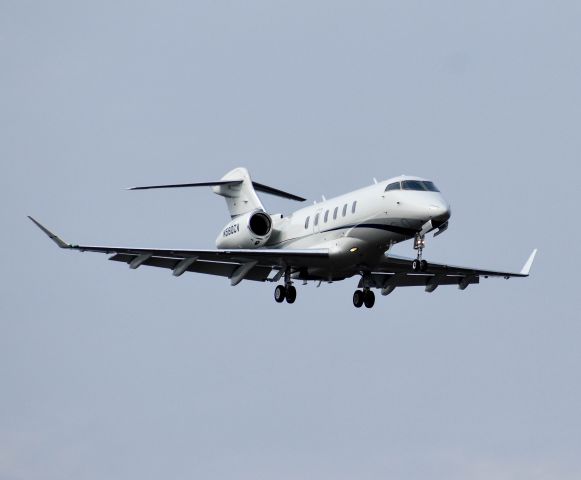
420 185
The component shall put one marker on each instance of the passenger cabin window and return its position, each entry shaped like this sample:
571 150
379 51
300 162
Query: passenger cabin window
316 219
307 223
393 186
344 209
335 213
326 216
354 206
419 186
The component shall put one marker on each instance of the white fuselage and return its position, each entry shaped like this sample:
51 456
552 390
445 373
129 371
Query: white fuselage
358 227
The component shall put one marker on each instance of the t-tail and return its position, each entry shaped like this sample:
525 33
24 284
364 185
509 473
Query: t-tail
237 188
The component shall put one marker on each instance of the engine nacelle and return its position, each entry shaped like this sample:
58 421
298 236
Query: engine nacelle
251 230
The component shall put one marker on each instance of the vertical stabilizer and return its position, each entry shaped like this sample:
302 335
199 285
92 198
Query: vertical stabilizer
240 198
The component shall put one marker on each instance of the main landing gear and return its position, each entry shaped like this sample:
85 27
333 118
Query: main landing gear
419 265
364 297
282 292
286 291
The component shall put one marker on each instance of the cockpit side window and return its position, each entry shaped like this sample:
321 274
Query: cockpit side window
393 186
430 187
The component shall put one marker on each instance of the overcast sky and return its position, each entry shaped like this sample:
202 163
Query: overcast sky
117 374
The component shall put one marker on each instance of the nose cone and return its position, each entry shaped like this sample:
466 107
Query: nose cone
440 212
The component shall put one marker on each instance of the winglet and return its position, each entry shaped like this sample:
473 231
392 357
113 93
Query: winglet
55 238
527 266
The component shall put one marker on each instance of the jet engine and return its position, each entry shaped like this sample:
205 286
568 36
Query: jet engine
251 230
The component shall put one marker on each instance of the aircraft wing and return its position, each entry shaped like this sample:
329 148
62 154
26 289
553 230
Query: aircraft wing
236 264
396 271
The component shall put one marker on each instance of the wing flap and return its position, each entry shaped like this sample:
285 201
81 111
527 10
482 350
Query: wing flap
397 264
227 263
222 269
397 271
265 257
385 280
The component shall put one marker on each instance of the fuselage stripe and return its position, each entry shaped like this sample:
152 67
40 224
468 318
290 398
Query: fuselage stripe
408 232
378 226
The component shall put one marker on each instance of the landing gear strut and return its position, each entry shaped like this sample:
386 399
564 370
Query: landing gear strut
286 291
419 265
365 296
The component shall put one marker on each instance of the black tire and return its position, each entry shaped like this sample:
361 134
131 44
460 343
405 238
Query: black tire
369 298
416 265
291 294
423 265
358 298
279 293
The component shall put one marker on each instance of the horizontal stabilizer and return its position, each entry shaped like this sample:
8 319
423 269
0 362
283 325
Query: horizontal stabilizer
182 185
259 187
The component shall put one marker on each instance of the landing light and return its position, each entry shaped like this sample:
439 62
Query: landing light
354 249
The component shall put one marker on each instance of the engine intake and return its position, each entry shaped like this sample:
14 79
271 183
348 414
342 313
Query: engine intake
251 230
260 224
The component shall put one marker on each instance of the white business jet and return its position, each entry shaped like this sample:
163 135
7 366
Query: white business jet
326 242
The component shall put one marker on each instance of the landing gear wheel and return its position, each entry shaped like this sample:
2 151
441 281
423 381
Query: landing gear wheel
279 293
423 265
416 265
358 297
369 298
291 294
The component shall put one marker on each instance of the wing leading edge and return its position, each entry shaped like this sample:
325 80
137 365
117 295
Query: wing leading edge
237 264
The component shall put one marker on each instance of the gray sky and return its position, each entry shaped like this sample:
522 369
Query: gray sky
112 373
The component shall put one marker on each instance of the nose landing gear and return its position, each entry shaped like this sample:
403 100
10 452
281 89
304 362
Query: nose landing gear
419 265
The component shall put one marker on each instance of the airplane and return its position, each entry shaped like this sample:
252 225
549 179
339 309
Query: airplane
346 236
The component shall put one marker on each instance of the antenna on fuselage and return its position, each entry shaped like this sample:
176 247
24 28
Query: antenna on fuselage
323 197
375 180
